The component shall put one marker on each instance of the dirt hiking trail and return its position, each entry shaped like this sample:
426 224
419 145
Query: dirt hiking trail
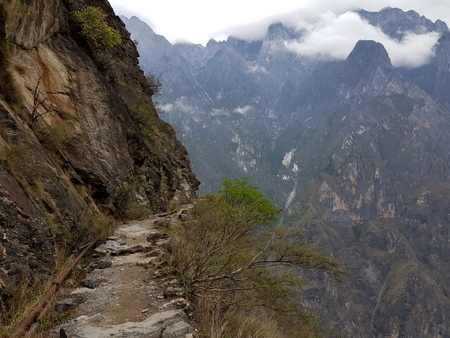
121 295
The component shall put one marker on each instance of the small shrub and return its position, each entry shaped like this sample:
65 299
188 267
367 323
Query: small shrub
53 137
232 263
26 294
140 106
22 161
136 211
92 21
90 226
154 83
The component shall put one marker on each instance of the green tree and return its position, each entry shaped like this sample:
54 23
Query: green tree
93 26
233 256
154 84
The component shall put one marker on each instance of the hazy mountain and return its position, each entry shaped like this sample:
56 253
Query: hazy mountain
357 151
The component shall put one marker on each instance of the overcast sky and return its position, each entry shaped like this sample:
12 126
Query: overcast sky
332 32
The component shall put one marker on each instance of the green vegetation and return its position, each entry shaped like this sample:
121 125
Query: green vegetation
22 161
232 264
141 107
88 226
93 25
128 206
138 97
154 84
55 137
31 171
24 299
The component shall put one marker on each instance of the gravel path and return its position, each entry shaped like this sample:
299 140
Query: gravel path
121 296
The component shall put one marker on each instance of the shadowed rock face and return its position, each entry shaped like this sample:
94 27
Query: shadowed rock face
356 151
103 160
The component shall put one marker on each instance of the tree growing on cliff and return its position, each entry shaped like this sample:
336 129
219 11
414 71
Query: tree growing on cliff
232 256
93 26
39 102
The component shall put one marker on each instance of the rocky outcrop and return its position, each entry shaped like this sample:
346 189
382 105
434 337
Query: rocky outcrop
79 138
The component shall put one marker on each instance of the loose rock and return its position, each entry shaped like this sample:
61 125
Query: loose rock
155 236
177 330
65 305
173 292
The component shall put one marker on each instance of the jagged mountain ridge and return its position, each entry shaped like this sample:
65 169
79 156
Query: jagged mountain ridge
395 23
356 151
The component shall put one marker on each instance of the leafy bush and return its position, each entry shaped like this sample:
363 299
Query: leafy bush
231 258
92 21
90 225
138 98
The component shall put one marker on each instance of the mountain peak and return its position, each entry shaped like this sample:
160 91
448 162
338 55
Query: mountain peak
369 52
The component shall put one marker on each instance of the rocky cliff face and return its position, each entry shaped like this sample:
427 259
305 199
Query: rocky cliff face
356 151
386 157
79 138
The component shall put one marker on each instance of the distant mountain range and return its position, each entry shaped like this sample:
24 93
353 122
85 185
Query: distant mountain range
356 151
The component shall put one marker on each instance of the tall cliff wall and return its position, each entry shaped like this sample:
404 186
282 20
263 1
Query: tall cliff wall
79 138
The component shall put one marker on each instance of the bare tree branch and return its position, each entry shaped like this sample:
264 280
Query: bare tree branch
39 100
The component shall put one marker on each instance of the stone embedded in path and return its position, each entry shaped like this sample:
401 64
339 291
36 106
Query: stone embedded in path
154 236
65 305
91 282
173 292
179 329
167 324
130 249
121 250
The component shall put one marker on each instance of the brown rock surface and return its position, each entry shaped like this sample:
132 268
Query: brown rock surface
70 142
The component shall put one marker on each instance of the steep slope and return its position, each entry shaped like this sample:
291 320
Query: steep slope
434 77
373 194
79 139
356 151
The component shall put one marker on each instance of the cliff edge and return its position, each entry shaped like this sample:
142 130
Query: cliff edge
81 144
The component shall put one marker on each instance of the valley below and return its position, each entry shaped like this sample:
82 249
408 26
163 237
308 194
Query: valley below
355 151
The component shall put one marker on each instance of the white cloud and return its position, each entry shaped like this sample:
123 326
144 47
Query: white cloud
334 36
181 106
200 20
413 51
